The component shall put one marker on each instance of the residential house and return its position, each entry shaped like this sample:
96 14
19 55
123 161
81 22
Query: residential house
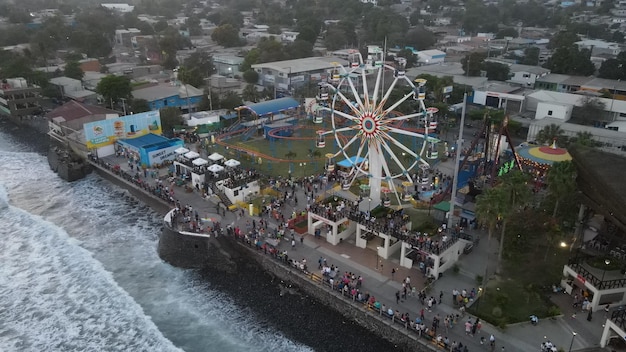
526 75
430 57
293 73
185 97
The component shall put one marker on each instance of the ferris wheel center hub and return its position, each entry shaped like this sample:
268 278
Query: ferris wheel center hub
369 125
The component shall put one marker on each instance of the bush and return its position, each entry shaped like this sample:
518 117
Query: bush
554 311
456 268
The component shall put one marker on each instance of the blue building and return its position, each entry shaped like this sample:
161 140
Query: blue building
185 97
152 149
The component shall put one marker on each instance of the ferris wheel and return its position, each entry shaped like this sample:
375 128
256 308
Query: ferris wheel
369 132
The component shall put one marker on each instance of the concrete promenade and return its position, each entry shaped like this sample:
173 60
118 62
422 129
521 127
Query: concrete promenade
383 285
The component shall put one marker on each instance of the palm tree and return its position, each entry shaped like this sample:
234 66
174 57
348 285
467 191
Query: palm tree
550 133
250 93
585 139
561 181
517 193
489 208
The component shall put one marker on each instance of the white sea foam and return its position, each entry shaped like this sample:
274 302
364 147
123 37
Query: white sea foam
55 296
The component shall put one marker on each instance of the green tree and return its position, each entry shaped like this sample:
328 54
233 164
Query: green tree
226 35
299 49
613 69
250 93
170 117
572 61
507 32
73 70
190 76
112 88
550 133
561 181
139 105
251 76
307 34
419 38
201 62
231 100
496 71
517 193
473 63
489 207
584 138
160 26
414 17
531 56
563 39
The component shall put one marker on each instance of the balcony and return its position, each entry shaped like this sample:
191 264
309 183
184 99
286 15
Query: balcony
607 279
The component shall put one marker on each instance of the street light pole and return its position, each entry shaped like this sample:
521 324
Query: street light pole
606 262
572 343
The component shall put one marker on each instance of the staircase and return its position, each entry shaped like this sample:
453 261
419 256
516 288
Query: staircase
227 203
248 133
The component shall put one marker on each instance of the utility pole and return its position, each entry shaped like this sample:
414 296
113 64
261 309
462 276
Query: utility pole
124 105
457 158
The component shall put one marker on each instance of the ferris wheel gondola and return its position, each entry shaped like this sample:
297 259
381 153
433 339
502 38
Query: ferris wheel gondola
368 130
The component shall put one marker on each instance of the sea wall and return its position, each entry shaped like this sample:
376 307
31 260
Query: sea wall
186 251
157 204
381 326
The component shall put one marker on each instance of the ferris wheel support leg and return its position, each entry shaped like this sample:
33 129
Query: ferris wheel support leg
375 169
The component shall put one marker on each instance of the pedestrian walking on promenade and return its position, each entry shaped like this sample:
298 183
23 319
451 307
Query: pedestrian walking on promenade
397 297
293 244
393 273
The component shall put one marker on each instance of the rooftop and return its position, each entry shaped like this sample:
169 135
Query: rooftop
553 78
163 91
65 81
302 65
538 70
74 110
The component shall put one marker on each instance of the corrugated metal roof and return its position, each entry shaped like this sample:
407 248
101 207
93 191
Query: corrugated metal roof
272 106
145 140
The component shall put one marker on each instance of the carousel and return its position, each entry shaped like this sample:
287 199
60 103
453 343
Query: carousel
537 160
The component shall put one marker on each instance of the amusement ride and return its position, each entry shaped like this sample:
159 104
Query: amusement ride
365 120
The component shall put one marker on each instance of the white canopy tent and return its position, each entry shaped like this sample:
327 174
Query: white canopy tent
181 151
215 168
232 163
199 162
216 157
191 155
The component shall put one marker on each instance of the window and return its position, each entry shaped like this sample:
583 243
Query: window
549 112
526 75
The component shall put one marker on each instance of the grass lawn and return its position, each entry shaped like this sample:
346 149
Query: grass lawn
530 262
304 164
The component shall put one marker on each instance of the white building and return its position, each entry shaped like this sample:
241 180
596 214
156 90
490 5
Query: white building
123 8
594 44
73 89
289 74
500 96
430 57
526 75
289 36
554 110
